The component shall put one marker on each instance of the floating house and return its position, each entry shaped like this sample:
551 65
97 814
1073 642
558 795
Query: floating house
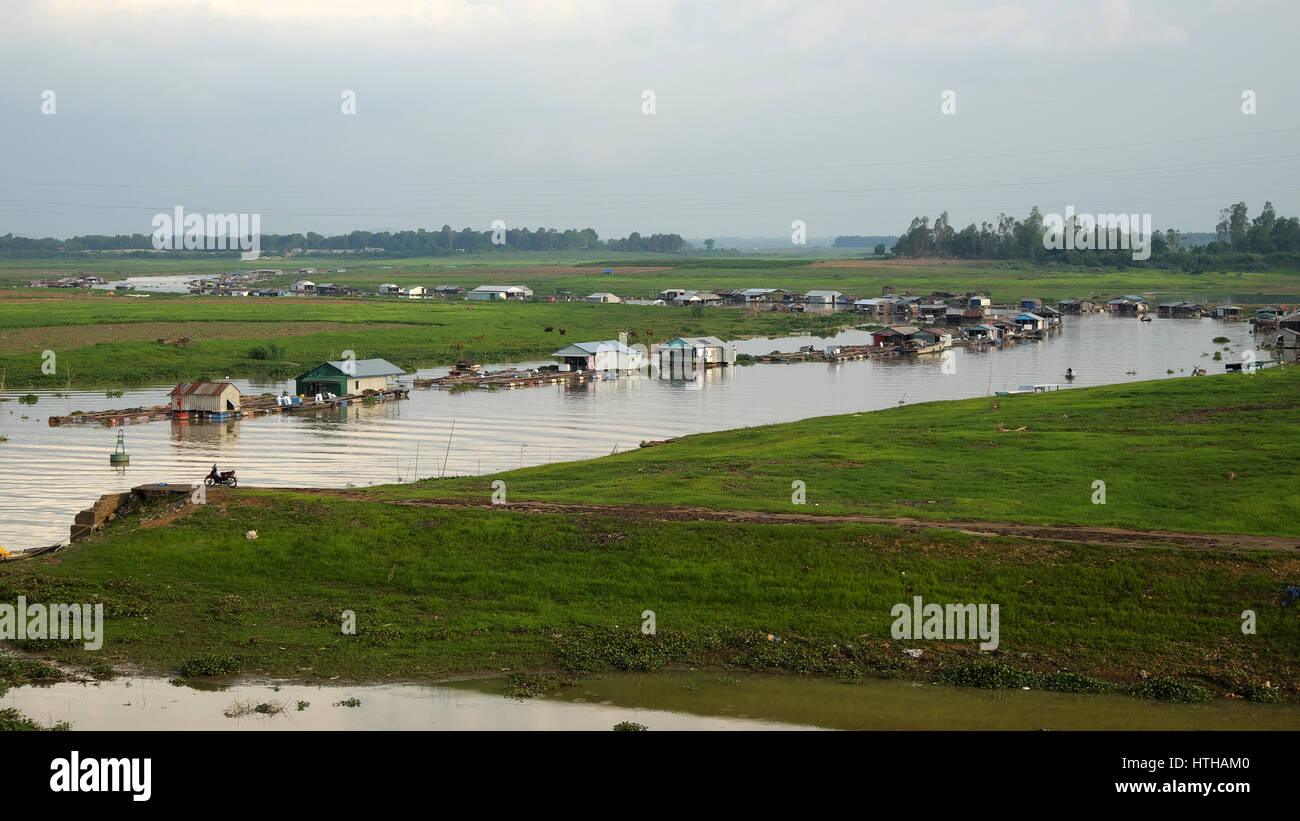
1031 322
1179 310
1127 305
347 377
601 297
1030 303
1287 338
1227 312
611 355
495 292
1290 321
894 335
984 333
215 398
686 352
980 303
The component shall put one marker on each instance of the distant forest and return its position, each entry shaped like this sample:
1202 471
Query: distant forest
398 244
1267 240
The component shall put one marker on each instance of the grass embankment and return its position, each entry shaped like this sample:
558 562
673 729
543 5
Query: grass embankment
438 591
1206 454
114 340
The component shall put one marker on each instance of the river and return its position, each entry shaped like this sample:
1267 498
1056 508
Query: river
48 474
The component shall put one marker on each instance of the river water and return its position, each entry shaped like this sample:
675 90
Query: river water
48 474
685 700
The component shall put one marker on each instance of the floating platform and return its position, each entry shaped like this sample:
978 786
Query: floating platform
513 379
249 406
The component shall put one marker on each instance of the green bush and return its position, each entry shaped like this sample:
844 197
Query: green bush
210 664
1168 689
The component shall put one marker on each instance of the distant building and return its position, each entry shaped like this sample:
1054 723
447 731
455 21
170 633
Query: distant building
494 292
601 297
303 286
448 290
822 297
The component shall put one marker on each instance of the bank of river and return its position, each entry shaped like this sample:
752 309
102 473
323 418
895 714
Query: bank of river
687 700
51 473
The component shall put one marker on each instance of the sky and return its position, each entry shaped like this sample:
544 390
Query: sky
709 118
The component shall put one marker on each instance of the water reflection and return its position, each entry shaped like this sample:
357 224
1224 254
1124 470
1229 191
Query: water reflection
695 700
48 474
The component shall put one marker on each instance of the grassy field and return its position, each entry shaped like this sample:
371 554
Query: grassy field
439 591
642 275
108 340
1215 454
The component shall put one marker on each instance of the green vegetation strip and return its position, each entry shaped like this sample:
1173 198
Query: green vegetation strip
1216 454
454 591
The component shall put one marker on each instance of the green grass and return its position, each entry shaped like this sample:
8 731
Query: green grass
410 335
1166 450
438 591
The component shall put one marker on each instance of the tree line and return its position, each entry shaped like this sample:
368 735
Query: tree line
422 242
1268 239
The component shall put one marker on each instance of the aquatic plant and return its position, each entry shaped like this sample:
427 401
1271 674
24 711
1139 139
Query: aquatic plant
210 664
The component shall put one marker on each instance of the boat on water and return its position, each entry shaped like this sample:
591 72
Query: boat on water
1146 317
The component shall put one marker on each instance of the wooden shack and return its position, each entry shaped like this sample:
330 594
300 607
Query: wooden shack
204 397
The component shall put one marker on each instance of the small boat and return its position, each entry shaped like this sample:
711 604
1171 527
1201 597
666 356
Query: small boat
1146 317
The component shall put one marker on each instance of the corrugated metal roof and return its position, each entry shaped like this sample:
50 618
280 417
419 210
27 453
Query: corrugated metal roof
364 368
200 389
700 341
594 347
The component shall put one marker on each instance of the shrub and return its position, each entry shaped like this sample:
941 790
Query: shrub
210 664
1168 689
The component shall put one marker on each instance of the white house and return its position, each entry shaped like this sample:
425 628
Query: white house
821 297
602 296
303 286
492 292
606 355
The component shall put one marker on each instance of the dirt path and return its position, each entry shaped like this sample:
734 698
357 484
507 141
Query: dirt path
669 513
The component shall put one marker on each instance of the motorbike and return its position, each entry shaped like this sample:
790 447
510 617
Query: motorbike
226 477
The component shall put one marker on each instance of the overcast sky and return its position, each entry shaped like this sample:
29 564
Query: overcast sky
531 112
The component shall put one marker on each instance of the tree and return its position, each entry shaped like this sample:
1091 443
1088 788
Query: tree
879 250
708 244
